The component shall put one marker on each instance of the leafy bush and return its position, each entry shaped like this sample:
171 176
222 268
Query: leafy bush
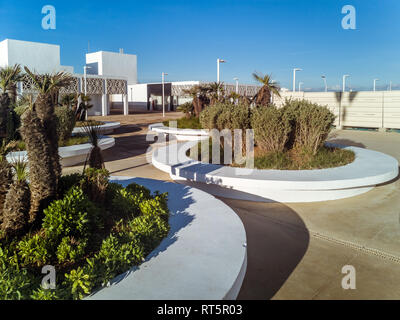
34 250
86 252
70 216
271 128
126 203
186 123
65 122
311 123
187 108
226 116
71 250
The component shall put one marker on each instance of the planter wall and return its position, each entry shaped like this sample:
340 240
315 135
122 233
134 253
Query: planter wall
369 169
106 128
180 134
70 156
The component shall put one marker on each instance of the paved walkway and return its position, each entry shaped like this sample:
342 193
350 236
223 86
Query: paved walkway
297 251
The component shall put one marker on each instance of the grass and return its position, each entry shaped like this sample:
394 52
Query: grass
73 141
326 157
80 124
186 123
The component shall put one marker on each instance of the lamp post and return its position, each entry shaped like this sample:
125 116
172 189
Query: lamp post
390 86
163 92
294 77
237 85
326 85
300 84
85 85
344 82
375 80
218 68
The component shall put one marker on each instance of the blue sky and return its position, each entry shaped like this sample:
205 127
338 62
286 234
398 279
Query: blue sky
184 38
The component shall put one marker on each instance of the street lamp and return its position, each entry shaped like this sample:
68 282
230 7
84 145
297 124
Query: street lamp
294 78
375 80
300 84
237 85
218 74
163 92
390 86
85 85
326 85
344 81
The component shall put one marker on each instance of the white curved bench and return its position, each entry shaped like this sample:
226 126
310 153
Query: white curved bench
71 155
106 128
180 134
369 169
204 256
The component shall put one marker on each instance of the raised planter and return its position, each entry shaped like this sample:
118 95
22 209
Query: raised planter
70 156
106 128
180 134
204 256
369 169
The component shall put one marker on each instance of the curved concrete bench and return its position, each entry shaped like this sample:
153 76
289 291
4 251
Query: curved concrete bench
106 128
180 134
369 169
204 257
71 155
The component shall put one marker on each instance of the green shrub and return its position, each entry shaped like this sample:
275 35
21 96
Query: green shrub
71 250
126 203
65 122
186 123
34 250
155 207
150 230
79 283
74 215
16 283
311 123
271 128
226 116
142 192
44 295
65 183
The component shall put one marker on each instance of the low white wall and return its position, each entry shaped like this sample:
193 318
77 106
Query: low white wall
366 109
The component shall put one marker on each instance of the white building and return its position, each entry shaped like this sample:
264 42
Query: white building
38 57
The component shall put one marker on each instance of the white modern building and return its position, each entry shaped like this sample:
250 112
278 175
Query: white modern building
109 78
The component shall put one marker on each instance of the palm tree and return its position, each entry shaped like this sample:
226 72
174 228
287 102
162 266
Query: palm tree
96 160
39 131
70 100
263 97
16 205
9 77
216 92
199 93
5 173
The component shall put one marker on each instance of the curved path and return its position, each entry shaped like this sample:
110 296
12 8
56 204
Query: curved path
297 251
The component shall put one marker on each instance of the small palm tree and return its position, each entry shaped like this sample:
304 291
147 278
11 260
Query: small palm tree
95 159
263 97
17 202
216 92
70 100
5 173
199 93
84 106
9 77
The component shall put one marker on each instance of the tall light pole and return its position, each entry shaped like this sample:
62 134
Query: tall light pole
237 85
300 84
85 85
294 77
218 67
390 86
326 85
375 80
163 92
344 81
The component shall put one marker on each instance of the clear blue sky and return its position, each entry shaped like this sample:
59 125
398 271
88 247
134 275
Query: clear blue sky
184 38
